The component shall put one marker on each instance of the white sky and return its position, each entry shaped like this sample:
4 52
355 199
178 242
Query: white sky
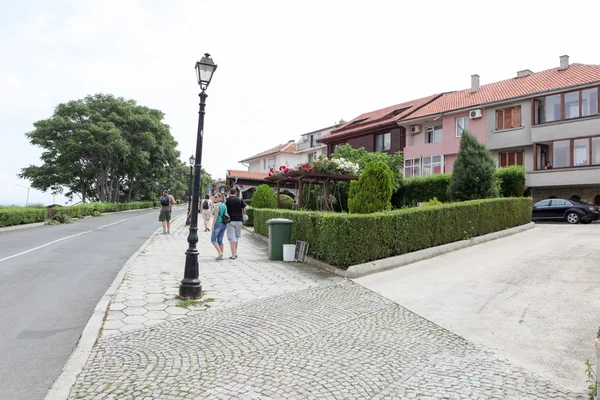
285 68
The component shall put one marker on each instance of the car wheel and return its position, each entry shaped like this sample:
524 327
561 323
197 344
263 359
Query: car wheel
573 218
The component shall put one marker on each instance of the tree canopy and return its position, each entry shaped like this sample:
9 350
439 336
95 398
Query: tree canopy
104 148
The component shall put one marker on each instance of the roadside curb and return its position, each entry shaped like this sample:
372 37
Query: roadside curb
61 388
360 270
372 267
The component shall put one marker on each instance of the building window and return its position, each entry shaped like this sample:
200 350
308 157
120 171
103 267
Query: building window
508 158
434 134
383 142
462 124
508 118
433 164
570 105
589 102
581 152
264 164
270 162
312 141
312 157
412 167
596 150
561 154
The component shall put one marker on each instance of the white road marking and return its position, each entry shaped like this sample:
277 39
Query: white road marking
68 237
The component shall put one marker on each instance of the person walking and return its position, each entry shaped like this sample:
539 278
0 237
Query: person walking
219 226
166 207
235 208
207 209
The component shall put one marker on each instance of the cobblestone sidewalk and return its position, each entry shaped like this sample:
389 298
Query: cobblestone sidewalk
338 341
147 294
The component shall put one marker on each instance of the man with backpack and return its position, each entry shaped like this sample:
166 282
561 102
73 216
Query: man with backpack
166 206
207 209
235 208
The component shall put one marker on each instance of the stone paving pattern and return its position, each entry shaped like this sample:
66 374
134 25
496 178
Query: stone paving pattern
147 294
335 341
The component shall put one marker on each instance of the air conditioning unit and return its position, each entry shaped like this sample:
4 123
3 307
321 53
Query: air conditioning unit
474 114
414 129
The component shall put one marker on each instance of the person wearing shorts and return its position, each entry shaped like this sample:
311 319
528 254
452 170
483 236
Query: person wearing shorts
218 227
207 208
165 212
235 209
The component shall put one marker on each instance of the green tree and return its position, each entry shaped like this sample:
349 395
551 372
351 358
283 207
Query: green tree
102 148
264 197
474 171
373 190
178 181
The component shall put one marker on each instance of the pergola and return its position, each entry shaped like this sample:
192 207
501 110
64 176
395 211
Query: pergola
302 177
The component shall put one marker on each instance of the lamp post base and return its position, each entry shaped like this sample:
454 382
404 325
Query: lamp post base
191 290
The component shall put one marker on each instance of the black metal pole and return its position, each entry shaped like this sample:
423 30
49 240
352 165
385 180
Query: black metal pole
190 286
189 218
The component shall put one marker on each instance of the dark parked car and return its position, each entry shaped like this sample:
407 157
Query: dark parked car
571 211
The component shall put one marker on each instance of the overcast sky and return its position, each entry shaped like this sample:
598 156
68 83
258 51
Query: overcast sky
284 68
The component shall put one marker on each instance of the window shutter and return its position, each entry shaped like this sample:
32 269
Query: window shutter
499 120
507 118
516 117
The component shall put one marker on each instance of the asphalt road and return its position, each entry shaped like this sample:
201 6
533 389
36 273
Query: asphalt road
51 278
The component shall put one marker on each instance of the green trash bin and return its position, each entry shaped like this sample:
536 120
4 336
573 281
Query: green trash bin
280 233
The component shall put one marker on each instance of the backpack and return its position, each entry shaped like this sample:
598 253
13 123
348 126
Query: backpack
165 201
205 205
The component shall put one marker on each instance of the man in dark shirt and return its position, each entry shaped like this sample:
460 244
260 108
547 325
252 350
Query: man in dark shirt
235 209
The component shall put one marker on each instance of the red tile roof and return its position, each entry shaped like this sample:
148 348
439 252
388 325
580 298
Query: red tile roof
289 147
232 173
380 117
552 79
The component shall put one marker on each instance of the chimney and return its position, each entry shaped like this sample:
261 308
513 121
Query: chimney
564 62
474 83
524 73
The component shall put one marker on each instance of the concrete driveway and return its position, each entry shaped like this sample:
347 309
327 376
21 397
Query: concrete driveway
531 297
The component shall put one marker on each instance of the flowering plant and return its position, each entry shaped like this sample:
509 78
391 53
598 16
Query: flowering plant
282 170
305 168
335 166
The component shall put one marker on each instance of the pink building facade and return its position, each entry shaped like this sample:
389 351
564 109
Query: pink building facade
432 142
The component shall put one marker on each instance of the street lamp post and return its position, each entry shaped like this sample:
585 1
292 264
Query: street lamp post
190 286
26 187
189 218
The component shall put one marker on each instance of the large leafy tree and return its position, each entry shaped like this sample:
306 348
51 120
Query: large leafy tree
103 148
474 171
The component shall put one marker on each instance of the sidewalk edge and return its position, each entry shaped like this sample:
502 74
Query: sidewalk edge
61 388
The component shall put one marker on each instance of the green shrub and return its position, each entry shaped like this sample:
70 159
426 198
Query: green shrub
248 202
474 175
21 215
264 197
25 215
422 188
373 190
286 202
62 218
347 239
432 202
511 180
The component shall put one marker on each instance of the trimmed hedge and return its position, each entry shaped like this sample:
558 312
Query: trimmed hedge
347 239
250 213
512 181
25 215
21 215
421 189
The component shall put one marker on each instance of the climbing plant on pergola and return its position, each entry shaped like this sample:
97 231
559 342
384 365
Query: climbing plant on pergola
303 177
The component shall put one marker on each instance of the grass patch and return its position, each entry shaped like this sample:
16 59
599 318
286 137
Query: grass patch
188 303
